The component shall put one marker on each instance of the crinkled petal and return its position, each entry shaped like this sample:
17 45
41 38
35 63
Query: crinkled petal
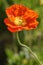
16 10
29 14
31 25
14 29
10 24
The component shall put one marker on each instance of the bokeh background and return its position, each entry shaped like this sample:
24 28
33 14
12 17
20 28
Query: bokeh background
11 53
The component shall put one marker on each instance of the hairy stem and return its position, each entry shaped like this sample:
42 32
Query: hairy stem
34 55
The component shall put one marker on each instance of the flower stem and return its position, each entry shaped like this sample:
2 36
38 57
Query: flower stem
34 55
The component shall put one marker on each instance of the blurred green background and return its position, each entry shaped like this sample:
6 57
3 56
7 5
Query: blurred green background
11 53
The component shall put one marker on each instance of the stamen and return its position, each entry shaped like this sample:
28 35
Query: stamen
19 21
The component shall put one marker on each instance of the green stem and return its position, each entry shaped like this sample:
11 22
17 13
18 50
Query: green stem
34 55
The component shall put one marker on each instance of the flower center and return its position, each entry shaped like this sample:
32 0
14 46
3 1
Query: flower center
19 21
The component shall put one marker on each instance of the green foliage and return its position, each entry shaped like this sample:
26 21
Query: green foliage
32 38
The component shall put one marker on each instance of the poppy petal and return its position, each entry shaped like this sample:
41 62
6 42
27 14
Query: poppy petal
8 23
31 25
34 24
14 29
30 15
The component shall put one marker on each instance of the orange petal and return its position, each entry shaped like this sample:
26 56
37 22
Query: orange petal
22 10
14 29
30 15
8 23
31 25
10 14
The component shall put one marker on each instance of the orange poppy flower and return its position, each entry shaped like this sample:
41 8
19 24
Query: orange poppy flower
20 18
